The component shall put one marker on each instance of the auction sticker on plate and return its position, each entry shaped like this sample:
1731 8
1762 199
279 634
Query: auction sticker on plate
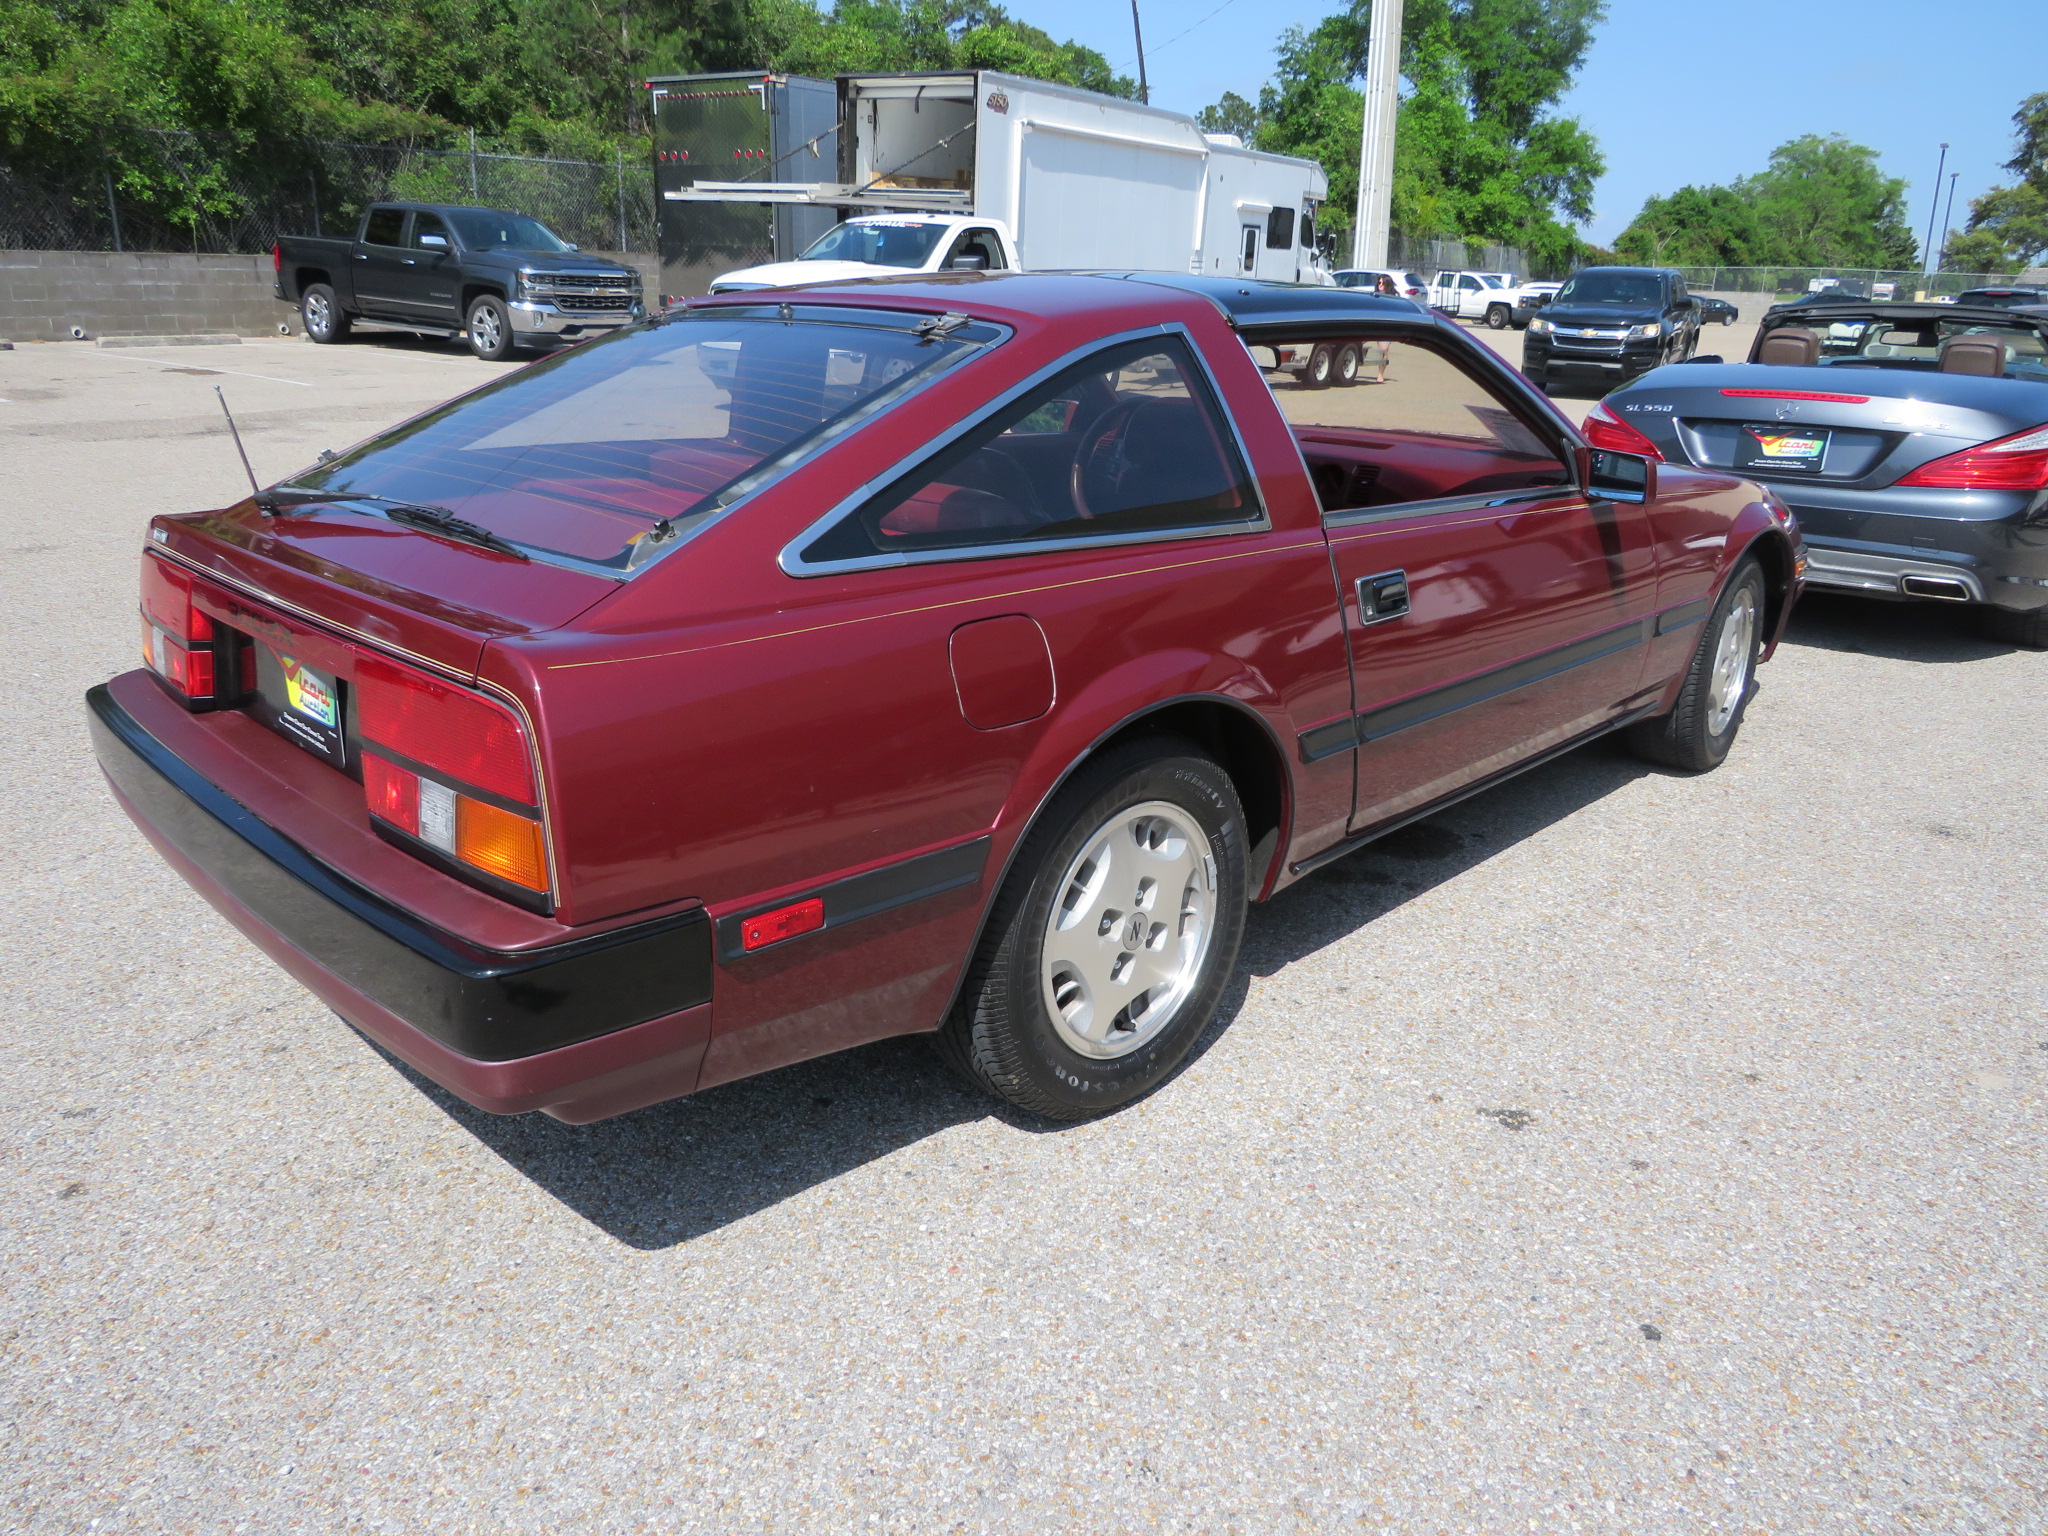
302 703
1798 450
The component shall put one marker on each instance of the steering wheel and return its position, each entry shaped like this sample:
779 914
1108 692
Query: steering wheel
1100 466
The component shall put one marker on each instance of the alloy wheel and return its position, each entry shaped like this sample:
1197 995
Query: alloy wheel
1130 927
1734 652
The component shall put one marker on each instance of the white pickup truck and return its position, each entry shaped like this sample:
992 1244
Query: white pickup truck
1494 299
881 245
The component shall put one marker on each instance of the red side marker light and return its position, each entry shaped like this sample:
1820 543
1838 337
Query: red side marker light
1795 394
790 922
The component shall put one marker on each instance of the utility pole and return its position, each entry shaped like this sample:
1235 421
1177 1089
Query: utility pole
1144 90
1370 235
1934 207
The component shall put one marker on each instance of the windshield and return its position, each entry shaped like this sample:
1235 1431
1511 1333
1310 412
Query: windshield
881 243
594 452
481 229
1916 344
1604 286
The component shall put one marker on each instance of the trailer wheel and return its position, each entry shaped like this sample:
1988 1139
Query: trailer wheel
1347 364
325 320
1322 367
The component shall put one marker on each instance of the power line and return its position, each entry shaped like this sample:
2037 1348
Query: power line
1154 49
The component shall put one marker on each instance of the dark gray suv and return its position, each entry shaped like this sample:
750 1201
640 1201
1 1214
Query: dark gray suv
1608 325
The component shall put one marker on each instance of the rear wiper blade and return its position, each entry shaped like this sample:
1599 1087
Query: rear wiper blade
419 514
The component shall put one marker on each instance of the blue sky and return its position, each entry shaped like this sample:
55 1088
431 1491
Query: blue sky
1679 94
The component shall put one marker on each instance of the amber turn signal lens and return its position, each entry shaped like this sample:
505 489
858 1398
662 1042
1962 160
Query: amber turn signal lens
500 843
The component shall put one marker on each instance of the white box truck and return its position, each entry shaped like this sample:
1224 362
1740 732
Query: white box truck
1072 179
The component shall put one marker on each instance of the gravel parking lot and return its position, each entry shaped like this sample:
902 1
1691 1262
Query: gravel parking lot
1618 1152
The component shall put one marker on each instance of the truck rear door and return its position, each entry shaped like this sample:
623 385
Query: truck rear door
382 278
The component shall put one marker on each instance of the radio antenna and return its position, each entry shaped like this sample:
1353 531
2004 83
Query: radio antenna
264 504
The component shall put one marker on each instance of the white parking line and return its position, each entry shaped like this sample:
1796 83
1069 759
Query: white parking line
238 373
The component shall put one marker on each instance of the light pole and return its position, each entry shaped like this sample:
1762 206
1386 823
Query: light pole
1947 214
1934 207
1370 235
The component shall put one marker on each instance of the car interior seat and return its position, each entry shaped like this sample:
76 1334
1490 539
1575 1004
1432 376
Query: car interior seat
1980 354
1790 346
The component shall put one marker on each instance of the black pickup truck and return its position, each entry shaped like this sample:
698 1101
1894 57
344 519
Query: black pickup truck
502 279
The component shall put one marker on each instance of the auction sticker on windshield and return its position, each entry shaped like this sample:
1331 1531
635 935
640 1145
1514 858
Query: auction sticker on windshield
1797 449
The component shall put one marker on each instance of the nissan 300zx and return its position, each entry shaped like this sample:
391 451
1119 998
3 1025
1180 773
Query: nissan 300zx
952 655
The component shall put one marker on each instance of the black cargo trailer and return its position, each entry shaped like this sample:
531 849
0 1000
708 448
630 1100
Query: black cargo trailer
745 126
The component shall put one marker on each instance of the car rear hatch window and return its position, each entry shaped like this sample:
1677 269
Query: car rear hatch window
605 457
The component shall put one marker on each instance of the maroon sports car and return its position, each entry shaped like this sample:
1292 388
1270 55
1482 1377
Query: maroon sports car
954 655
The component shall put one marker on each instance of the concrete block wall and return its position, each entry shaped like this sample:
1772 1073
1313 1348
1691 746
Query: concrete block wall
43 294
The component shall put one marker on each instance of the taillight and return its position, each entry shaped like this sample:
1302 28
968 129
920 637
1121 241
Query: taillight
450 770
177 639
1604 429
2016 463
277 255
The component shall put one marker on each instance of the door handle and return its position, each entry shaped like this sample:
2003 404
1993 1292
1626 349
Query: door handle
409 261
361 257
1382 597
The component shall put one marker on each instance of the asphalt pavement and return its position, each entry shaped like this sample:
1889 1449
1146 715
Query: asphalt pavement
1617 1152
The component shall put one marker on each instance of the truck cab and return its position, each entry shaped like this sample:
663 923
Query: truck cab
886 245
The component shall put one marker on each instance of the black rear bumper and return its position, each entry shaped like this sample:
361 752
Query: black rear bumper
485 1005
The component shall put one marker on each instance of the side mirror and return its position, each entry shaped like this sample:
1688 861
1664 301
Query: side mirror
433 242
1707 357
967 261
1614 476
572 246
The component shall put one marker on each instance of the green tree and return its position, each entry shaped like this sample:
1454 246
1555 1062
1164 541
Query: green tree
1821 202
2008 226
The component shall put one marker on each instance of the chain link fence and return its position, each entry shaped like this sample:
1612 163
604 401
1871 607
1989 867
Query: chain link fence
1856 282
169 192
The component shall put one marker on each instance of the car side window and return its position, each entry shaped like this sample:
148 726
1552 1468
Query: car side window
430 224
386 226
1415 426
1469 283
978 242
1130 440
1280 230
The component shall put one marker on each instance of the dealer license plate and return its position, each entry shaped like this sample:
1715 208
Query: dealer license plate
1782 450
301 703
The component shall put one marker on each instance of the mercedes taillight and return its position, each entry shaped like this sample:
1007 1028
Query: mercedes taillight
1604 429
2016 463
450 772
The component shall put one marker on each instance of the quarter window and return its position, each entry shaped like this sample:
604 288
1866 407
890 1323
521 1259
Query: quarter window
1128 441
1414 426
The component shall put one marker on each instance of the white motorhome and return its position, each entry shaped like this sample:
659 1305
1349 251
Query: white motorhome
1074 179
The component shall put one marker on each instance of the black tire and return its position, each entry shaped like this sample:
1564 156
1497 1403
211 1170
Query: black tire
1003 1036
2027 627
489 325
321 315
1690 738
1321 368
1497 317
1345 371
